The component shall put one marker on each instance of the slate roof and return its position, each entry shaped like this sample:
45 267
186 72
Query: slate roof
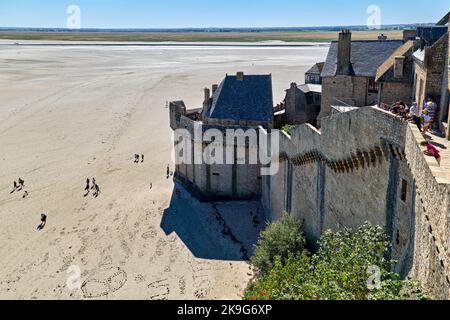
444 20
389 63
431 34
248 100
366 57
316 69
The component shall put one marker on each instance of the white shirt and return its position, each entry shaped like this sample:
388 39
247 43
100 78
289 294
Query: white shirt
414 110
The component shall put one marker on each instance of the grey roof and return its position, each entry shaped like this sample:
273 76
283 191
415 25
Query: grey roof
316 69
306 88
366 57
429 35
419 54
248 100
445 20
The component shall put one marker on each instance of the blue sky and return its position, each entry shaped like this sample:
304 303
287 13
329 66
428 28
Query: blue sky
216 13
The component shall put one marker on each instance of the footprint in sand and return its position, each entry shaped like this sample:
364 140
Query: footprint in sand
104 282
139 278
159 290
151 234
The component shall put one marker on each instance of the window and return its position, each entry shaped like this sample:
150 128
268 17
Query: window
404 190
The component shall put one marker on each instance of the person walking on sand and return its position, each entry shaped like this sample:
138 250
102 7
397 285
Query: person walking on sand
168 171
21 182
97 190
15 186
93 184
43 222
88 187
142 161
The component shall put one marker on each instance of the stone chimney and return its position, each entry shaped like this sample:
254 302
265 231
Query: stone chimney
399 67
409 35
214 88
206 101
240 76
344 53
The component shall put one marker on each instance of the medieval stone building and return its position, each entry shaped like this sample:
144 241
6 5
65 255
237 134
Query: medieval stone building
314 75
395 77
302 104
363 164
429 61
349 73
240 102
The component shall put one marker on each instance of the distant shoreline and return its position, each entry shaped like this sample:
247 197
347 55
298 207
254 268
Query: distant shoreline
195 37
193 45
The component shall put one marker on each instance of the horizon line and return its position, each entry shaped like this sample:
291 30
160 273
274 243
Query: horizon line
218 28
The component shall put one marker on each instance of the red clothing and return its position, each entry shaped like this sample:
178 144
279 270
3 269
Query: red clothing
433 151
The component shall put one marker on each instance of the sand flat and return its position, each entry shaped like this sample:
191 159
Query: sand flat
68 113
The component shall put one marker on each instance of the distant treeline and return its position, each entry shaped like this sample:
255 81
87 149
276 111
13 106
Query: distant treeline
203 30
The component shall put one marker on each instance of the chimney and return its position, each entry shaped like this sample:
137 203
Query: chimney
207 98
399 67
344 53
240 76
409 35
214 88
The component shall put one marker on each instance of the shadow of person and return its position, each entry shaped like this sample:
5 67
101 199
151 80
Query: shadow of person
42 225
439 145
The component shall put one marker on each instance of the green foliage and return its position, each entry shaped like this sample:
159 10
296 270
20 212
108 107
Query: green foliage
280 239
349 265
288 128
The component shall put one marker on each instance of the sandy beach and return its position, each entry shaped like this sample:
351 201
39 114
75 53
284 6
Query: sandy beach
68 113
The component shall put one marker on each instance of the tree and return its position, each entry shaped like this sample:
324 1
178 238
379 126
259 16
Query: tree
280 239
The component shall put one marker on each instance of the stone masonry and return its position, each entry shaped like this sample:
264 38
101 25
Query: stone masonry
367 166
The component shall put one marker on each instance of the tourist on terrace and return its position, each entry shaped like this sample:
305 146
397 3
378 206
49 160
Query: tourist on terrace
432 151
432 111
414 110
427 121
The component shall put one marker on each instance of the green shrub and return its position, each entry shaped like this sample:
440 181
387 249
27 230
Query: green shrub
280 239
342 269
288 128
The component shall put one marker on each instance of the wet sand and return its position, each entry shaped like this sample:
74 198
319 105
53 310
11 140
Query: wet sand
69 113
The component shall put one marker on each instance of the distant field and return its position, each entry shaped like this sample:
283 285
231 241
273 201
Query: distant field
307 36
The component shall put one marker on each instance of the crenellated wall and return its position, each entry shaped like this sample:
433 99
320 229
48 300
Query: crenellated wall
366 166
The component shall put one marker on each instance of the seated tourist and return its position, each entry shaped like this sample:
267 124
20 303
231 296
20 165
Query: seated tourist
396 108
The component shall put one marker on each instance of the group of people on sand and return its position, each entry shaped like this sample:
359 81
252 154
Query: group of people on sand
95 187
424 118
138 158
18 186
